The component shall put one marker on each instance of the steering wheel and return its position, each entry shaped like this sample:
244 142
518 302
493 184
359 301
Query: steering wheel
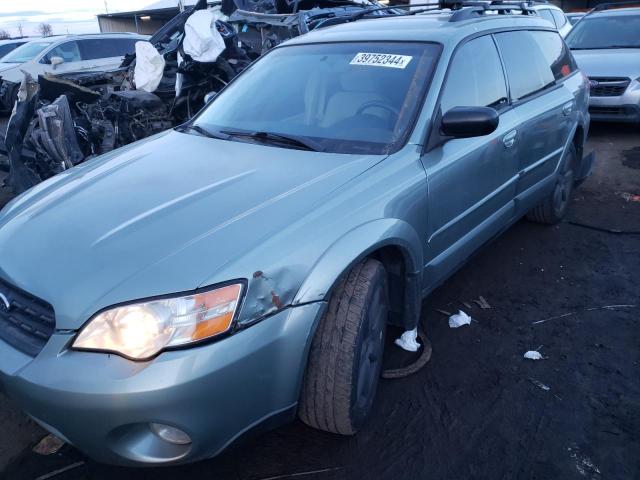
378 104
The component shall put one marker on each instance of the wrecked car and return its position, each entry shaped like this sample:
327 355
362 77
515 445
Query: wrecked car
60 55
160 85
164 300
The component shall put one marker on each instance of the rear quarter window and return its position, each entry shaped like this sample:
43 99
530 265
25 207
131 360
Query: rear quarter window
547 15
559 17
556 52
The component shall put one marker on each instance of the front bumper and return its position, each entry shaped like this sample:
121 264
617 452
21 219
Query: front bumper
103 404
623 108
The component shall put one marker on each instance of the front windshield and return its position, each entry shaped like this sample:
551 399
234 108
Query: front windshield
344 97
26 52
616 31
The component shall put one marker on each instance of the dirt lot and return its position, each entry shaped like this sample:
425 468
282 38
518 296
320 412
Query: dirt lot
478 410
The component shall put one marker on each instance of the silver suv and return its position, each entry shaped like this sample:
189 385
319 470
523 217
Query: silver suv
606 45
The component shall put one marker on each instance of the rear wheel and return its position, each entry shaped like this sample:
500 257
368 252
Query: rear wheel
346 353
555 206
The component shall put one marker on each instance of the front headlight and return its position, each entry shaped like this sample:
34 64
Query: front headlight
140 331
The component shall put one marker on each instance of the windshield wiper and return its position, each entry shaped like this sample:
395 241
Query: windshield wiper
292 140
204 131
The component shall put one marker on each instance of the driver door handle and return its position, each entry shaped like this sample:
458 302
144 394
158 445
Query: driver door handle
509 139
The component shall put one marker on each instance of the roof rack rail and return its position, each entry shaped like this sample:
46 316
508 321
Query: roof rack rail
462 10
430 7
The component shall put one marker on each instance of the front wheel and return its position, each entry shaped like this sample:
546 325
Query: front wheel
555 206
346 353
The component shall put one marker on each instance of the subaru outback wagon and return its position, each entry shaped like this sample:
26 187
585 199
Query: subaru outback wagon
164 300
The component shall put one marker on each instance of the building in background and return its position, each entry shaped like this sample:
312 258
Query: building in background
145 21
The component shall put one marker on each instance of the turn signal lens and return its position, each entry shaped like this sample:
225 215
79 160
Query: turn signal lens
142 330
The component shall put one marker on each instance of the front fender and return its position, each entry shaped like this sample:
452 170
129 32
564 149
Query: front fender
354 246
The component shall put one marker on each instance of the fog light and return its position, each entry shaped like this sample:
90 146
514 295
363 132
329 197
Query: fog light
170 434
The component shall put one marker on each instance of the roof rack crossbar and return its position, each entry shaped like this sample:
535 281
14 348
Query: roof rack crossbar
465 10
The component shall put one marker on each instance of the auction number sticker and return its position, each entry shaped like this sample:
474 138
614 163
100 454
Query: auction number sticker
381 60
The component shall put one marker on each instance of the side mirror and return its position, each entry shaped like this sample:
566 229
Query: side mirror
55 61
466 122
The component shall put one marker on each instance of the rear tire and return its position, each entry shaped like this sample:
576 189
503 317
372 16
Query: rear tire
555 206
345 359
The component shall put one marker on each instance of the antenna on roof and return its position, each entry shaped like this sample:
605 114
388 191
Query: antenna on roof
181 5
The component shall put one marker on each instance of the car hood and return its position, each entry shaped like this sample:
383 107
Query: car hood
624 62
8 66
157 217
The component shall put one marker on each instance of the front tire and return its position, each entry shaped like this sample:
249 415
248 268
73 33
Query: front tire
553 208
345 359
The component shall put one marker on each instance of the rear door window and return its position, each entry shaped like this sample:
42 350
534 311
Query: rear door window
475 77
528 69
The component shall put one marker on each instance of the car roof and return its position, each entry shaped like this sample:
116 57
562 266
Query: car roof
61 38
434 27
614 12
15 40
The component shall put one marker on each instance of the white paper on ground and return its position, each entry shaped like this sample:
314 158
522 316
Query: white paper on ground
459 319
533 355
149 67
202 41
408 341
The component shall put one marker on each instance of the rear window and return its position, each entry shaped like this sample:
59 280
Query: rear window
531 72
616 31
347 97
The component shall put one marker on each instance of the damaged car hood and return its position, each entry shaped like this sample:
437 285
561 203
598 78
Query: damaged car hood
159 216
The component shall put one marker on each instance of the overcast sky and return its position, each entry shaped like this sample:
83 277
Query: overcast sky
74 16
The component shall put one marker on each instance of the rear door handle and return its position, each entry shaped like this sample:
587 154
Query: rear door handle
567 108
509 139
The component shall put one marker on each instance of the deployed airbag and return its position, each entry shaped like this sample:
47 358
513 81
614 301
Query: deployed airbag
202 41
149 67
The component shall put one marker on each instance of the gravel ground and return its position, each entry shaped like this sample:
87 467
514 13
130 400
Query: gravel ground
477 410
